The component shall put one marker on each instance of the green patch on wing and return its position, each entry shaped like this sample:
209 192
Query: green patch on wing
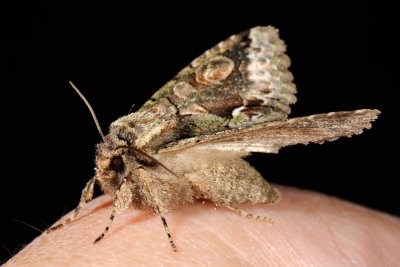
202 124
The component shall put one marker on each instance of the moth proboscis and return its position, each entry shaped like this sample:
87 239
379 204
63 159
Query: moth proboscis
188 141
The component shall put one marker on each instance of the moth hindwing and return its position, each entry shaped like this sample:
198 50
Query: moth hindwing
188 141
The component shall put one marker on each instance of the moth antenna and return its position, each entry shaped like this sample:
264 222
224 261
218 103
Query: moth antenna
90 109
131 108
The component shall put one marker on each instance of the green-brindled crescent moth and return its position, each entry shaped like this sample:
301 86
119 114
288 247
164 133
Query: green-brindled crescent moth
189 140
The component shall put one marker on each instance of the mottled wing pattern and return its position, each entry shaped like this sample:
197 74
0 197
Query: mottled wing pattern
270 137
240 82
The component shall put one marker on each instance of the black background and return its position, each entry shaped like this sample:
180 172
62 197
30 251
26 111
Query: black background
118 55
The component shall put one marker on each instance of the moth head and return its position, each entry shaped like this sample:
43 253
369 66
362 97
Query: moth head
111 161
115 162
111 166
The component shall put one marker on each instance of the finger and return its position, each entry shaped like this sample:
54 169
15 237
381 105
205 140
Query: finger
309 229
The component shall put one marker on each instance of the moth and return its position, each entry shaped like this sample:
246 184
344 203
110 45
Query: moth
189 140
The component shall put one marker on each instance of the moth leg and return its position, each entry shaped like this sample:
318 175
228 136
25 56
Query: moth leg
110 221
87 194
248 215
121 202
167 231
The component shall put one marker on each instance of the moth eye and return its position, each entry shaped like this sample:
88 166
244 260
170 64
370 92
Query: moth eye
117 164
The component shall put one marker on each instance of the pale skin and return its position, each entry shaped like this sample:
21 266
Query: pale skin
309 229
